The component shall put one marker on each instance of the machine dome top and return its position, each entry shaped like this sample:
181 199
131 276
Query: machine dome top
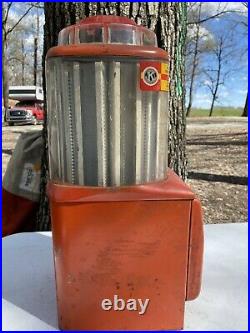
107 29
107 19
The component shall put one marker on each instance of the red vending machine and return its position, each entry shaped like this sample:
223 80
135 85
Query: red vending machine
127 231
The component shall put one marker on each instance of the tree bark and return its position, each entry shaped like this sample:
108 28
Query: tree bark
245 111
35 62
212 106
168 20
5 76
36 48
23 63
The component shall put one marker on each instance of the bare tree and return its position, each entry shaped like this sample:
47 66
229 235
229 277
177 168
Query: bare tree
215 81
245 110
221 10
245 24
8 29
36 41
23 62
18 56
195 61
217 74
5 11
200 43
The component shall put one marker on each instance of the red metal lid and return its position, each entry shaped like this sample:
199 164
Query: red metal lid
107 19
104 50
107 35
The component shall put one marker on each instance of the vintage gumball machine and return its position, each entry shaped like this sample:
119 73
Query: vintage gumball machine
127 232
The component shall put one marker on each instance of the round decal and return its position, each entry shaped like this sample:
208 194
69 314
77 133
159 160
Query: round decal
150 76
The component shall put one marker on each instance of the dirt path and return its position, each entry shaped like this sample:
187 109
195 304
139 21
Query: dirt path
217 165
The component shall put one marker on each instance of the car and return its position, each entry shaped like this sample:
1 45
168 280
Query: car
25 112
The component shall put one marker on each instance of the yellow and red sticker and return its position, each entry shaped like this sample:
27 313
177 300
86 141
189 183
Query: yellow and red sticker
154 76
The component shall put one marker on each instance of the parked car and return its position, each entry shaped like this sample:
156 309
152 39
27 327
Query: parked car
25 112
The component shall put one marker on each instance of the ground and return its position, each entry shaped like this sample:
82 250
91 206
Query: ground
217 112
217 164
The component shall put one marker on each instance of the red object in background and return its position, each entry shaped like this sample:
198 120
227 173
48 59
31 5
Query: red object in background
36 108
18 214
21 184
29 112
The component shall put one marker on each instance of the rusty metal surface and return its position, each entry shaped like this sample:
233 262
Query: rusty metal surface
225 282
133 249
195 257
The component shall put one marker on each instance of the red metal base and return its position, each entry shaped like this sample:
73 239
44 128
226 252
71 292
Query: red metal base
138 242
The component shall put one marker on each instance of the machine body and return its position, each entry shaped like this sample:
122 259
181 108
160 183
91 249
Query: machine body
137 242
125 227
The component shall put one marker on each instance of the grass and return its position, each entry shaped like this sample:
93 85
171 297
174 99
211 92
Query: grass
218 112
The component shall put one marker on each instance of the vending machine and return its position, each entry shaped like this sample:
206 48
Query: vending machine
127 231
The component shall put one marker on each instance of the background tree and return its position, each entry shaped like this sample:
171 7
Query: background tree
245 110
214 75
15 46
7 30
201 42
36 45
244 22
221 62
17 56
168 20
194 54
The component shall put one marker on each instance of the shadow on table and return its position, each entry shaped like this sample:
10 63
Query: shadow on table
28 275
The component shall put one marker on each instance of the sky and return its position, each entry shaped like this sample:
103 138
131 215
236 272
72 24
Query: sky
233 91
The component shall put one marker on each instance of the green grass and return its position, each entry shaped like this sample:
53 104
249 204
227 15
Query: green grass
218 112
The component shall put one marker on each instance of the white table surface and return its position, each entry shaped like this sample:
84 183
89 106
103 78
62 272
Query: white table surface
29 300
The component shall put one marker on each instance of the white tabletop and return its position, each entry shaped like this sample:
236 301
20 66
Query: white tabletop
29 300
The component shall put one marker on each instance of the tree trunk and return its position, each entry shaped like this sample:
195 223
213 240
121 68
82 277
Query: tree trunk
36 48
35 62
193 74
215 92
245 111
23 63
168 20
194 63
5 77
217 82
212 106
